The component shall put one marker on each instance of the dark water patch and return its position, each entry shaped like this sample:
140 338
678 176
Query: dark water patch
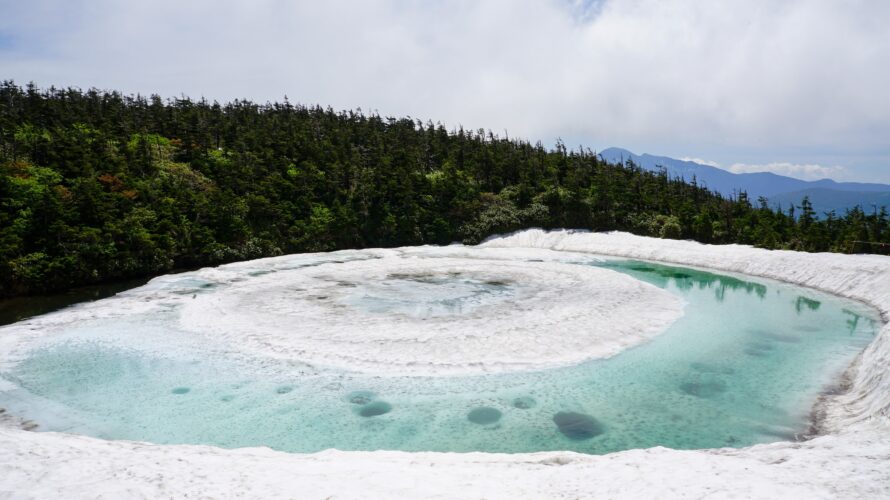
284 389
761 346
259 273
360 397
484 415
375 408
757 353
778 337
709 368
524 402
641 268
709 389
577 426
180 390
227 398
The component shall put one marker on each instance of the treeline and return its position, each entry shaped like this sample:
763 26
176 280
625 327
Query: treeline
97 186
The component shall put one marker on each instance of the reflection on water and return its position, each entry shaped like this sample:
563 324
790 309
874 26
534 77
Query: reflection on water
743 366
804 304
662 276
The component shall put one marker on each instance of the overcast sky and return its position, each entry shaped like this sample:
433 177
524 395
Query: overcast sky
796 87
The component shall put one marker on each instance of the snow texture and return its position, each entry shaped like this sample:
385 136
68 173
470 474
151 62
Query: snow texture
851 461
410 314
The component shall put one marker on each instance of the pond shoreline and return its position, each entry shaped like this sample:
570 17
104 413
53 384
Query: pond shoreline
850 460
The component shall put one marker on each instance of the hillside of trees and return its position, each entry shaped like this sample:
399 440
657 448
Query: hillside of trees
98 186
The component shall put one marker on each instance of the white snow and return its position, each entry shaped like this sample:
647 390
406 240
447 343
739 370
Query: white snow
417 311
853 461
438 316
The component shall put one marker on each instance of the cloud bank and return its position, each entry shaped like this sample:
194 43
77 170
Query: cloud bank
729 80
805 172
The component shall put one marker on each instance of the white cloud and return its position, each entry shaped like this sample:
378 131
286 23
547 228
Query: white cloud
805 172
701 161
741 75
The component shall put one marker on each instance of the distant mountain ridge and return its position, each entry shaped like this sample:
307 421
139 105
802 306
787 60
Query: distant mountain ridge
780 190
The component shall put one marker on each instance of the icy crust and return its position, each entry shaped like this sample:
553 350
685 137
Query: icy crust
851 463
415 314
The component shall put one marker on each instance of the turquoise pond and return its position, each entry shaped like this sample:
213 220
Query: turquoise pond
744 365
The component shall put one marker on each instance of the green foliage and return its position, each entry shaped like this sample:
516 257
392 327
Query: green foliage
658 225
99 186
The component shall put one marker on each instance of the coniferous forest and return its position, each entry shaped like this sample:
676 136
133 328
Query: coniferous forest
98 186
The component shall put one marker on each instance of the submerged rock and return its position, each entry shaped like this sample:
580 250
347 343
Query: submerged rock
763 346
524 403
375 408
757 353
703 389
360 397
578 426
484 415
709 368
284 389
778 337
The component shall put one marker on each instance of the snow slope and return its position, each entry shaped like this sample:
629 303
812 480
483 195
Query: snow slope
852 461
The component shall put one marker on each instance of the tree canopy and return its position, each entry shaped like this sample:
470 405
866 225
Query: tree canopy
98 186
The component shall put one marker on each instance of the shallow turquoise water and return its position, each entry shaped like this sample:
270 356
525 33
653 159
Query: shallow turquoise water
743 366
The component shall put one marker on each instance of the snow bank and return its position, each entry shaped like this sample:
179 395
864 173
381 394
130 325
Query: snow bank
853 461
43 465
